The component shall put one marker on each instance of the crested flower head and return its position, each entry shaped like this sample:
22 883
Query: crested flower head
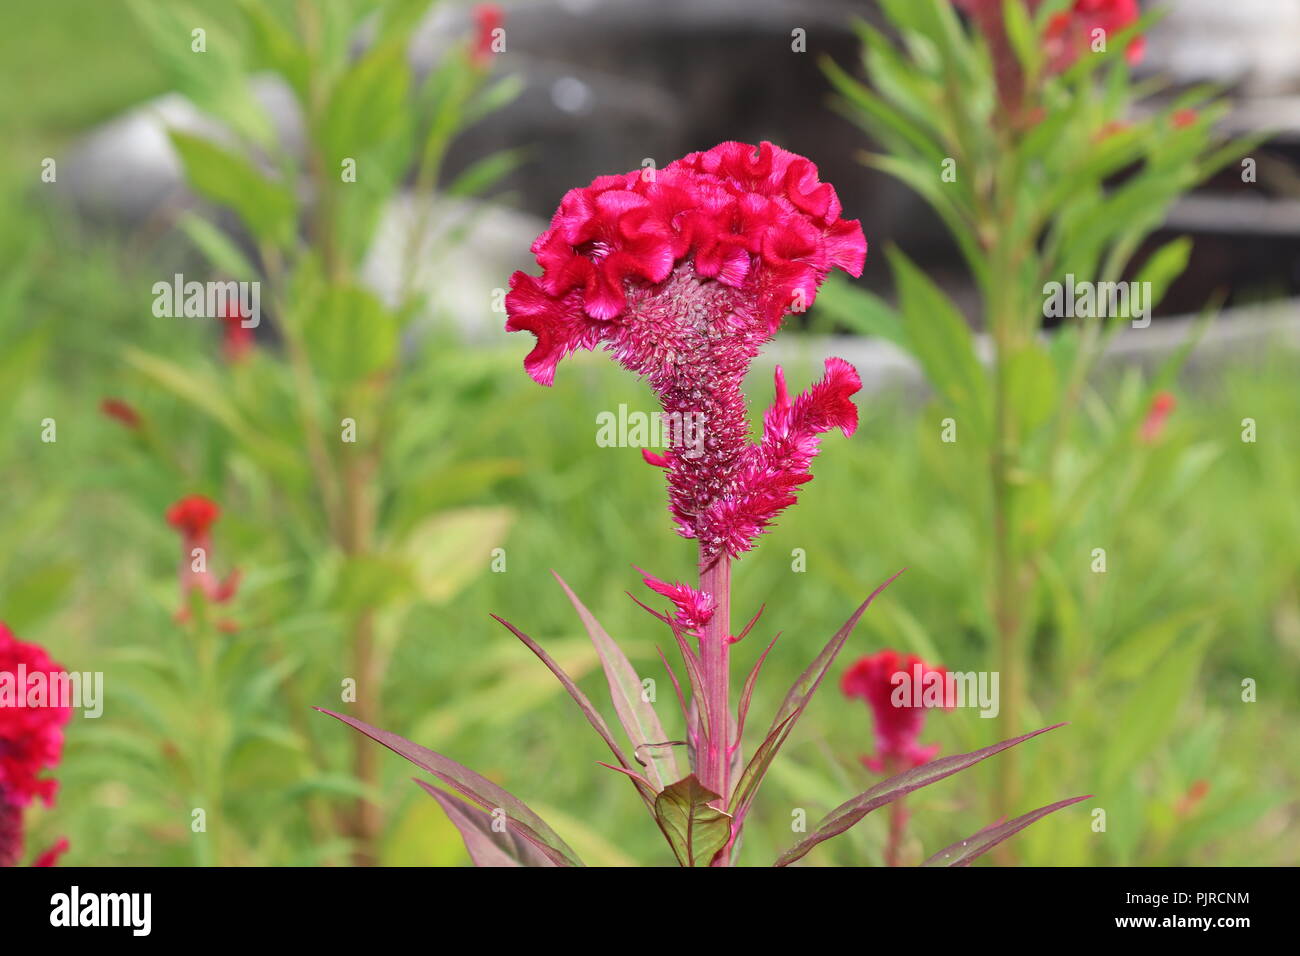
683 274
31 734
886 681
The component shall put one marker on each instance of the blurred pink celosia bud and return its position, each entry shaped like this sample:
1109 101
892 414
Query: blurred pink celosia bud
1162 406
31 736
488 18
193 516
237 339
892 684
120 411
51 856
683 273
1067 36
694 608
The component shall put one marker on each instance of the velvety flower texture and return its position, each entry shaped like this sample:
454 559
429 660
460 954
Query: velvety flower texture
31 738
898 723
31 742
683 274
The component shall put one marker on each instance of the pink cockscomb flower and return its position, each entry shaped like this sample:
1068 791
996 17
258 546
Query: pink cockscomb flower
193 516
1162 406
898 688
31 735
488 18
683 274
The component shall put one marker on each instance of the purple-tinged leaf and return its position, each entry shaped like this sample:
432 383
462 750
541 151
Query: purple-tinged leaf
690 659
623 770
590 712
486 846
635 713
790 710
750 626
474 787
849 813
677 685
961 854
748 691
695 830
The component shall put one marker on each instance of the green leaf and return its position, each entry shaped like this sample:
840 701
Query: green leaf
940 340
695 829
275 47
861 311
266 207
1031 382
369 581
484 173
217 247
349 334
1151 711
450 549
1164 266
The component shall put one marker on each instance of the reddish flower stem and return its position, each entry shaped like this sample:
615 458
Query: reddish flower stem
715 653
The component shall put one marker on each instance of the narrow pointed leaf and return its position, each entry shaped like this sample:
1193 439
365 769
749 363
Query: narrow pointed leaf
475 787
848 814
748 691
961 854
636 714
486 846
695 830
590 712
790 710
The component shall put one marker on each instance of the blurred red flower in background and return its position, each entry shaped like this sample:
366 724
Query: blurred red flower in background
1162 406
31 739
120 411
193 516
898 721
488 18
